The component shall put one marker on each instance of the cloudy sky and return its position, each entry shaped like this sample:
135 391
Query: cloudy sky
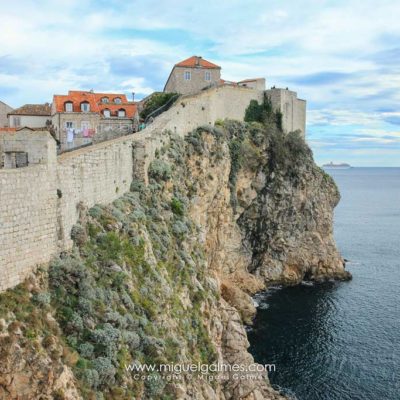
342 56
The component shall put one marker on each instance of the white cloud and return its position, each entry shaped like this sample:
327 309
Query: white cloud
376 140
137 85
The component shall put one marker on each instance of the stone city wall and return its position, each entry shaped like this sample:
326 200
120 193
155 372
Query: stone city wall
39 204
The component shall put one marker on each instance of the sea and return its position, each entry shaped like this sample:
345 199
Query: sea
341 340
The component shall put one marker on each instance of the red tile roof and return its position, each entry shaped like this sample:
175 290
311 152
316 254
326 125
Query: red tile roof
195 62
8 129
33 109
95 101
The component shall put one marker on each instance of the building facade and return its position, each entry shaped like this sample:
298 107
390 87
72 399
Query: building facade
192 75
84 117
4 110
31 116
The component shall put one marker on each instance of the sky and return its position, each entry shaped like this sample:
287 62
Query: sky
343 57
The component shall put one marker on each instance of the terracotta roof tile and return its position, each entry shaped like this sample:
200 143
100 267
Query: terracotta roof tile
33 109
95 101
195 62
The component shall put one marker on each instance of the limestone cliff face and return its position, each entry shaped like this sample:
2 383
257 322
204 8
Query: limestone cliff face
289 225
271 216
165 274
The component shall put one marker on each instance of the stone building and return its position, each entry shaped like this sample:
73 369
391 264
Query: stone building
293 109
83 117
4 110
30 115
27 146
192 75
256 83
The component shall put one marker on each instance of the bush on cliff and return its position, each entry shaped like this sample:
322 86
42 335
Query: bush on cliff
156 100
114 292
263 112
159 170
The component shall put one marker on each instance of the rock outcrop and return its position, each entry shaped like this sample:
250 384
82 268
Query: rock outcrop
165 274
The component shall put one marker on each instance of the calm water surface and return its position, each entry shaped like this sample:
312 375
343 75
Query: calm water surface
341 341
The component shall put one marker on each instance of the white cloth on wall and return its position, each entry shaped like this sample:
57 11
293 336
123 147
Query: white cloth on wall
70 135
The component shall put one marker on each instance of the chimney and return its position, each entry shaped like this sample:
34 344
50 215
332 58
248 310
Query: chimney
198 59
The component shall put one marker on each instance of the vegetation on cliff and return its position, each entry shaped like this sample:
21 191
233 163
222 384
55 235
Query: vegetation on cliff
156 101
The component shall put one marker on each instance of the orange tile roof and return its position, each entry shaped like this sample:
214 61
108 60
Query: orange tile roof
8 129
95 101
196 61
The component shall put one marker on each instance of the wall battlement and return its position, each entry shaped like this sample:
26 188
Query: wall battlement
39 204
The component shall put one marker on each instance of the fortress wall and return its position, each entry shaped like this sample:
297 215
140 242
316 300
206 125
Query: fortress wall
39 204
300 116
208 106
96 175
27 221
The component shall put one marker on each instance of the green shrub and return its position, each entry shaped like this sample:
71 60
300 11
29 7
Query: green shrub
263 113
42 298
90 377
96 211
86 350
78 234
159 170
156 100
105 369
177 206
253 112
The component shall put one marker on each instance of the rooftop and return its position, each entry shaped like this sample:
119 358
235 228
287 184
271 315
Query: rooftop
196 62
33 109
98 102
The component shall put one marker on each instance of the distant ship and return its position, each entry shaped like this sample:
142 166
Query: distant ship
331 165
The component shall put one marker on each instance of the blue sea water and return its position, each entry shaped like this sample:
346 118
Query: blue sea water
341 341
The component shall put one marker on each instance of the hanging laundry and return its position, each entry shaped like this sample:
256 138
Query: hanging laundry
70 135
86 132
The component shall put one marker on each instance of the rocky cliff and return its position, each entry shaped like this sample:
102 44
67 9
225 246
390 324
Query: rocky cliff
165 274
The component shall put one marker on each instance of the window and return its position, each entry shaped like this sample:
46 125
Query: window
105 100
117 100
121 113
85 106
69 124
15 159
188 75
68 106
16 122
107 113
207 76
